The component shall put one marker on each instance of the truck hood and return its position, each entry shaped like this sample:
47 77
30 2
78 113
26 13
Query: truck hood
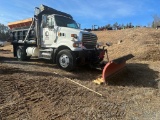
69 31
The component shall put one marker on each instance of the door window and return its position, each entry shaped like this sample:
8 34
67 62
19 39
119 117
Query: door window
50 22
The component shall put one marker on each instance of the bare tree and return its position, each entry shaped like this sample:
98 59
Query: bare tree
115 25
156 21
3 32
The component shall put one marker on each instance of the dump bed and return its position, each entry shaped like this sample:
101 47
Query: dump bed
21 31
21 23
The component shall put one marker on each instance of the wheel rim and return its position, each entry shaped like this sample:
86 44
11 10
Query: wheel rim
19 53
64 60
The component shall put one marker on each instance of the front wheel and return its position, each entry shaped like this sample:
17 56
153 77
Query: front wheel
66 60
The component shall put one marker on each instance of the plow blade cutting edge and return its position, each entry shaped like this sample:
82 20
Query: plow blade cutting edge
114 66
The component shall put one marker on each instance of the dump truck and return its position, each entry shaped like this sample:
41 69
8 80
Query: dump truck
54 35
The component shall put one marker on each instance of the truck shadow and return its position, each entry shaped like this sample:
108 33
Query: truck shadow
137 75
36 62
83 73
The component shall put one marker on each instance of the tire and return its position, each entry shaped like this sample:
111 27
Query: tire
21 54
66 60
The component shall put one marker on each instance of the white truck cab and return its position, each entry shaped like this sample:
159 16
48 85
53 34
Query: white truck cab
60 30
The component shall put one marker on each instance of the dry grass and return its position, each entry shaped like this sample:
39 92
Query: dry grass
143 43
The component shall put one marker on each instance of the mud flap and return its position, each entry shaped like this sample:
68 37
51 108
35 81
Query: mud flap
115 66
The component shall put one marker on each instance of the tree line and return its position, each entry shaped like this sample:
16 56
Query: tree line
116 26
4 32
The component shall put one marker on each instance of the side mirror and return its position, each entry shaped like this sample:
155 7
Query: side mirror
79 25
44 20
36 11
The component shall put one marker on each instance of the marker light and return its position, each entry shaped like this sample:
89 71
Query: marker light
74 36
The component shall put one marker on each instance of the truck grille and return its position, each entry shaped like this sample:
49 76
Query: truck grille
89 41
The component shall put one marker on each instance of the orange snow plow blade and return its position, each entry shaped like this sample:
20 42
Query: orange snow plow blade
114 66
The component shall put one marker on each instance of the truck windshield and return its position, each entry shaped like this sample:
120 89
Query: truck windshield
65 22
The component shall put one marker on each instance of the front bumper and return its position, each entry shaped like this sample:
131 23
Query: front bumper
88 56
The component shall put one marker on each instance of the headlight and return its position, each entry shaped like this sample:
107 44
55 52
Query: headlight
77 44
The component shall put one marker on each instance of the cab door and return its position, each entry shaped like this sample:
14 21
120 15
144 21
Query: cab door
49 33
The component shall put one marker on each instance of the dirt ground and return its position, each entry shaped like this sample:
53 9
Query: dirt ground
32 90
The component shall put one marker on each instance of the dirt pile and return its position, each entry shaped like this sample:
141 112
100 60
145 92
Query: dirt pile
144 43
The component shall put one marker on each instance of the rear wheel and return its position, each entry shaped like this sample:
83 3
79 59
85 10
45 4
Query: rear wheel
21 54
66 60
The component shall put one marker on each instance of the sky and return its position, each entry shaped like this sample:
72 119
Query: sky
86 12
